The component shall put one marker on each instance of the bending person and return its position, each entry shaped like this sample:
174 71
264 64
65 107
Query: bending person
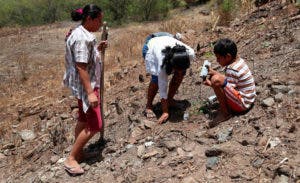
165 56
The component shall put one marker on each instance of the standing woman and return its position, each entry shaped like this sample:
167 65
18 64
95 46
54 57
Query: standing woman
82 76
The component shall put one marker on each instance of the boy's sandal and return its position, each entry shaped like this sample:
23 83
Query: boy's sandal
148 113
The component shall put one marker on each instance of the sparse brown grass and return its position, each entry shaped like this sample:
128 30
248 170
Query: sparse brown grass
246 6
22 63
222 16
6 31
173 26
32 62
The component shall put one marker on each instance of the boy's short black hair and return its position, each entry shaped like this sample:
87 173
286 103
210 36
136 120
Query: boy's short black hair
225 46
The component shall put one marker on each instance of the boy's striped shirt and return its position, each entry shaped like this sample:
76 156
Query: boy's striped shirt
240 78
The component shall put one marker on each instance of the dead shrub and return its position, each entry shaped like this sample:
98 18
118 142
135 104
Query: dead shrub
246 6
174 26
22 63
124 49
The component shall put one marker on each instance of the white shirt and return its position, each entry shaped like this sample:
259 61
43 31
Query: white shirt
81 48
154 59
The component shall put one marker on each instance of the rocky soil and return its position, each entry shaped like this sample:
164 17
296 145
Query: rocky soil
260 146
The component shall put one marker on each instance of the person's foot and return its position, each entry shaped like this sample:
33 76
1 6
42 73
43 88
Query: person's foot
164 117
149 114
218 119
72 167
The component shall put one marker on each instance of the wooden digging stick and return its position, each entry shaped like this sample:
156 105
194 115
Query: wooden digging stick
104 36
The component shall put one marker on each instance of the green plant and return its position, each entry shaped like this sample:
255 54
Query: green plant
150 9
200 107
117 12
225 10
208 54
227 5
266 44
178 3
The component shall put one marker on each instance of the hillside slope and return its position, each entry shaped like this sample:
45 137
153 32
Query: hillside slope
261 146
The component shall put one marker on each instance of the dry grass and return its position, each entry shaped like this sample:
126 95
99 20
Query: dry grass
223 17
125 44
174 26
6 31
31 65
246 6
22 63
32 62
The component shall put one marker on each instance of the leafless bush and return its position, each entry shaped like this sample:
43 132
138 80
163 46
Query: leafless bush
22 63
174 26
246 5
124 48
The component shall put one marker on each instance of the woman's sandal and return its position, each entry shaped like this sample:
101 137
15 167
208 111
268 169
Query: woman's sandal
74 171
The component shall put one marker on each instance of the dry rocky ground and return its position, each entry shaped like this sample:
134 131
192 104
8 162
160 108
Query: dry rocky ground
38 116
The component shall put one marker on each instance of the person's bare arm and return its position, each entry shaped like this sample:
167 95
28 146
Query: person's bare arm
214 78
211 73
102 45
85 79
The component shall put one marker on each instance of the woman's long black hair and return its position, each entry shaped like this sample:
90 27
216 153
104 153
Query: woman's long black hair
167 60
176 57
89 10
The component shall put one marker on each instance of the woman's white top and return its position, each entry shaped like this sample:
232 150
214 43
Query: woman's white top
154 60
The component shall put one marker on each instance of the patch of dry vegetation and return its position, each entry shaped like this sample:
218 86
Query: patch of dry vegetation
32 60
